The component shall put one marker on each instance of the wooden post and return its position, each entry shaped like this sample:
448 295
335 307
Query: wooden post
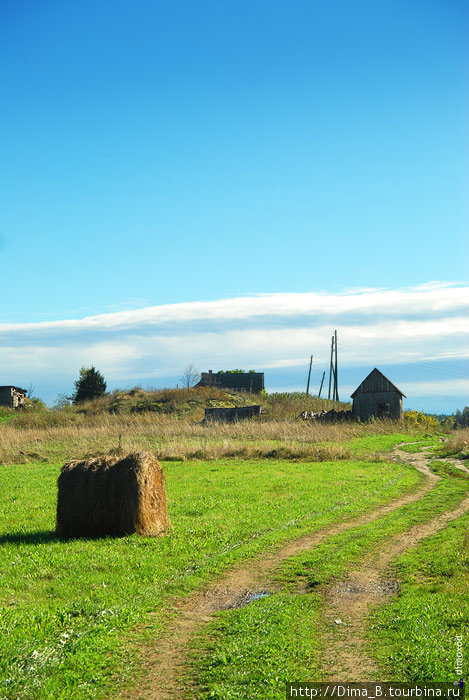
330 368
322 382
336 376
309 375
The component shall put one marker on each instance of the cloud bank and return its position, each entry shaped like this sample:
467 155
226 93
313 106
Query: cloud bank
421 333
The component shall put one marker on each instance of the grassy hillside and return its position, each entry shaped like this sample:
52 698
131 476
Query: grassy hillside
190 403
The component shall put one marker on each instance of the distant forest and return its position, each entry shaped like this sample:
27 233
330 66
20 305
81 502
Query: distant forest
460 419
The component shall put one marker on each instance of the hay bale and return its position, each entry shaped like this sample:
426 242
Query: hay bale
112 496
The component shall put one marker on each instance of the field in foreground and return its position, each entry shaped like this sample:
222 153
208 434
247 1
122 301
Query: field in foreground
291 632
76 615
69 609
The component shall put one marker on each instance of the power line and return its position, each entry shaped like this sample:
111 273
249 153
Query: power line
433 366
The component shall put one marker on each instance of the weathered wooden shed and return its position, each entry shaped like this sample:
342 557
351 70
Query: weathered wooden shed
377 397
236 381
12 396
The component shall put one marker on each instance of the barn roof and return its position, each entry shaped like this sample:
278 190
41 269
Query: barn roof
10 386
375 382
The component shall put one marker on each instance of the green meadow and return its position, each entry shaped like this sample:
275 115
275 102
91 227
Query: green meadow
76 615
73 612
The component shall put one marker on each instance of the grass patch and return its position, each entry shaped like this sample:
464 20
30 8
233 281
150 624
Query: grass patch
443 468
250 653
6 414
423 441
456 446
369 444
69 609
414 636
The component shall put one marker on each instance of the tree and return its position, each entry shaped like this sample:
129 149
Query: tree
90 385
61 401
190 376
461 420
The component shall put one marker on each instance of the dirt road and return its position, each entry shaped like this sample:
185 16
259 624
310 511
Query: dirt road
349 600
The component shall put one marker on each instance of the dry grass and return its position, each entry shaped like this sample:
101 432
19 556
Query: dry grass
457 445
112 496
178 439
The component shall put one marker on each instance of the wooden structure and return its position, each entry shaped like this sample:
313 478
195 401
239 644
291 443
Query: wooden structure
12 396
231 415
236 381
377 397
331 416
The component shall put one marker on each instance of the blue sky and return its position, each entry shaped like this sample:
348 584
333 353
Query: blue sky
167 153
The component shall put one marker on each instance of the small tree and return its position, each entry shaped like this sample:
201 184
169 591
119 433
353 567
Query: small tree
30 392
61 401
190 376
90 385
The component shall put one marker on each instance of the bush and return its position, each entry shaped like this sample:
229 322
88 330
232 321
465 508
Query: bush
418 420
34 404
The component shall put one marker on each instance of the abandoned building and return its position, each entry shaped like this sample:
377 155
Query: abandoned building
377 397
12 396
236 381
232 415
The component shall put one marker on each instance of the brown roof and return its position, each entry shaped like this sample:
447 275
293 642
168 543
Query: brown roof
10 386
374 382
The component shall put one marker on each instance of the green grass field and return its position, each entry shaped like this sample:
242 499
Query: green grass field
74 616
73 611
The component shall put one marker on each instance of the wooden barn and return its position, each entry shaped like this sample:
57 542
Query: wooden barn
377 397
12 396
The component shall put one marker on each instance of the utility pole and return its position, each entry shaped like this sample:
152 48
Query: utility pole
309 375
322 382
331 367
336 379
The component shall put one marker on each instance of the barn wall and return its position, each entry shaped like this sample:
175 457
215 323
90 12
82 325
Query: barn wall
11 397
6 398
365 405
231 415
247 381
17 398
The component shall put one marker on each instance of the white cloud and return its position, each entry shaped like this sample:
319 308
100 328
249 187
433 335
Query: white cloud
277 332
435 299
438 388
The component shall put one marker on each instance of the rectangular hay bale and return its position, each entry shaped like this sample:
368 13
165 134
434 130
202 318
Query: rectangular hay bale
113 496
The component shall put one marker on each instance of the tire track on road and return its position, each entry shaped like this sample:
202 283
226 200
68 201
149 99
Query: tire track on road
351 599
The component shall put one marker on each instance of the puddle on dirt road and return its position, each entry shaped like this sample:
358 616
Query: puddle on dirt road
351 587
248 598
